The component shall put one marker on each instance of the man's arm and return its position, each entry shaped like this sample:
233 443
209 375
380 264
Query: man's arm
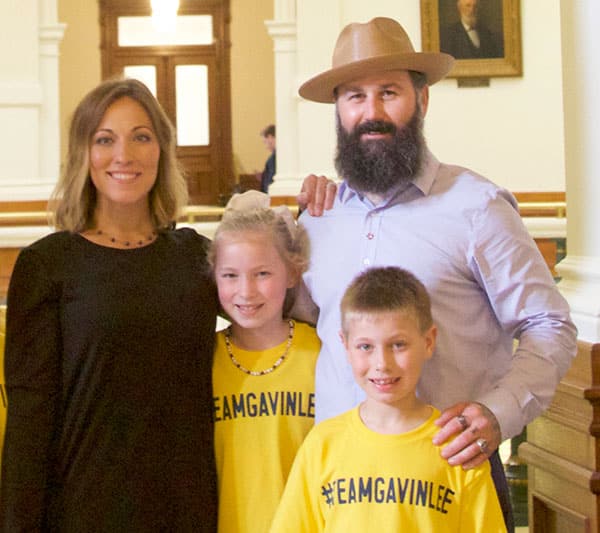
524 297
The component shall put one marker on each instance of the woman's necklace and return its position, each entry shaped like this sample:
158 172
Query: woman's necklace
128 244
267 370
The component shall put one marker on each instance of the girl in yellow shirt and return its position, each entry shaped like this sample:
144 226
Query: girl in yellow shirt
264 364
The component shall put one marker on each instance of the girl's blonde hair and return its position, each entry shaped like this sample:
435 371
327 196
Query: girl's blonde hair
278 225
73 201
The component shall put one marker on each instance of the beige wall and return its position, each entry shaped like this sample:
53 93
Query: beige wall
252 84
79 65
252 81
523 150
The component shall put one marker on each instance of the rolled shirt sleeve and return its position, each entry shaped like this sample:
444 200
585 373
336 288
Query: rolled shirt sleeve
528 305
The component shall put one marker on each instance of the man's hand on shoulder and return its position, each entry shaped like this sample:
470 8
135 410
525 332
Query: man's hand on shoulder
478 434
317 194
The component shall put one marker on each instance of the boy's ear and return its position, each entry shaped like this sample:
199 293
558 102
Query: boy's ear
342 338
430 336
345 344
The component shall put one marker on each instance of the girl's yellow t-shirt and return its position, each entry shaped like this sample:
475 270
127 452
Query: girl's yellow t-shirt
260 422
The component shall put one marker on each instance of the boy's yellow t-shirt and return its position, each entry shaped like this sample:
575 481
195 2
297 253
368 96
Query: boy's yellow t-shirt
347 477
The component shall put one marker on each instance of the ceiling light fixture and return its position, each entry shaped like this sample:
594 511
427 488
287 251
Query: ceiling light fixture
164 14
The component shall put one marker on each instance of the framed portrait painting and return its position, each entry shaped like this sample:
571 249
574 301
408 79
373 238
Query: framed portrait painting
484 36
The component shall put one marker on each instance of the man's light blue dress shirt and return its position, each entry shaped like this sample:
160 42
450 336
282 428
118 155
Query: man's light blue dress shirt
463 237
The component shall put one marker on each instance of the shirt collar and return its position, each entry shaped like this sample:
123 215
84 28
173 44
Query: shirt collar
425 178
423 182
468 27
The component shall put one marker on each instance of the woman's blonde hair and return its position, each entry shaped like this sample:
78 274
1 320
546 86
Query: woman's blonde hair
74 199
278 225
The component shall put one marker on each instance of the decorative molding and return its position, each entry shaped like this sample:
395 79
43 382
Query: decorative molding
561 468
50 37
281 28
284 35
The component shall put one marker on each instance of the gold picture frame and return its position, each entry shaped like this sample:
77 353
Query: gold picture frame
440 31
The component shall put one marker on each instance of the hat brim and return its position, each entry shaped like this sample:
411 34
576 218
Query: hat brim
321 88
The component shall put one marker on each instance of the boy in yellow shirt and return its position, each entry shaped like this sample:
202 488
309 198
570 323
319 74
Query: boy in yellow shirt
374 468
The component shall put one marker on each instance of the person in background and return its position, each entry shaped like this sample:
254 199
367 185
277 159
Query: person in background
461 234
266 177
264 363
375 468
109 340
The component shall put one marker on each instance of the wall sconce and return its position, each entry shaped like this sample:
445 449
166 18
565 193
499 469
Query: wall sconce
164 14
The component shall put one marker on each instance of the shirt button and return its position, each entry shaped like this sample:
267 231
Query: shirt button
366 262
370 235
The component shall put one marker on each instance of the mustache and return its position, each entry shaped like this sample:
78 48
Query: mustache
379 165
375 126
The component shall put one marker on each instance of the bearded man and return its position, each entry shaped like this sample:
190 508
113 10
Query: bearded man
455 230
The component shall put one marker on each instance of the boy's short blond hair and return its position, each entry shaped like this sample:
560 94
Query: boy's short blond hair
385 289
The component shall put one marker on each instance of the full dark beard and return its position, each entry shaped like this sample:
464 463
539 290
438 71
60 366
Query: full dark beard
377 166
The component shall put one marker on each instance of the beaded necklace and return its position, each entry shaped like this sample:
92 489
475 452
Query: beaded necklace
267 370
127 244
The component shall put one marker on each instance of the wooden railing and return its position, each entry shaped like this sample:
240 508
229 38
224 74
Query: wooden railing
33 215
201 213
24 218
190 214
543 209
542 204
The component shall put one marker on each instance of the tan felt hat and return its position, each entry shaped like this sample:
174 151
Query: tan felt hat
376 46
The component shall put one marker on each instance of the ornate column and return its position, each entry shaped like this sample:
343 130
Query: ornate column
283 32
580 270
50 35
29 103
304 33
563 448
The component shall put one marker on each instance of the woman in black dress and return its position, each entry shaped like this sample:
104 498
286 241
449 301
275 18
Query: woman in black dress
110 332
